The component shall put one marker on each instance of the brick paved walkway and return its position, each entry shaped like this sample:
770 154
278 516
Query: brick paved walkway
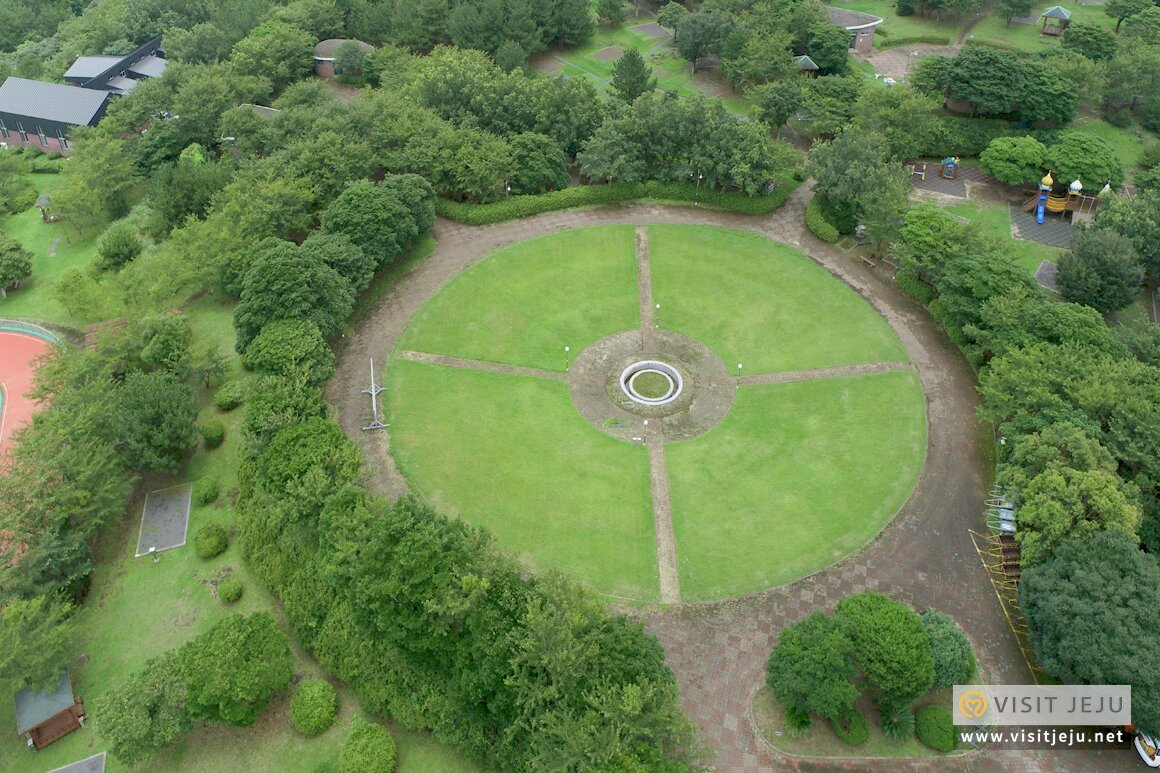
923 557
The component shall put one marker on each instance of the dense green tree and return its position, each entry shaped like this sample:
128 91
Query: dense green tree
855 172
1142 339
154 420
1055 447
321 18
37 641
368 746
1014 160
510 56
96 181
1077 155
1100 268
146 712
276 403
775 103
829 104
183 190
610 12
291 348
1089 613
1122 9
275 51
1061 503
967 283
631 77
1144 27
344 256
702 33
234 668
954 660
929 237
1021 318
1091 40
891 647
670 14
289 285
1138 219
15 264
1009 9
569 23
765 55
540 164
829 47
908 119
118 245
811 669
375 218
203 43
165 344
313 707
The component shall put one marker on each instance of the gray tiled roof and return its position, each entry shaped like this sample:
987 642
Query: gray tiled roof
91 66
150 67
51 101
844 17
121 84
328 48
32 708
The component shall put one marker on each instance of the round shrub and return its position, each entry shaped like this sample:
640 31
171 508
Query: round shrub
368 748
229 590
898 725
954 662
117 246
817 223
229 396
313 706
291 348
936 728
211 540
206 491
851 728
213 432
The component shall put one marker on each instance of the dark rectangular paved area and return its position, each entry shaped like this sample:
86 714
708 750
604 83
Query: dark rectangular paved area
165 519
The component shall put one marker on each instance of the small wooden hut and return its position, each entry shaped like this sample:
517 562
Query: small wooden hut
47 716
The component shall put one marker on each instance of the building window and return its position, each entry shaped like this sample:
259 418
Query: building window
3 131
43 138
23 134
63 140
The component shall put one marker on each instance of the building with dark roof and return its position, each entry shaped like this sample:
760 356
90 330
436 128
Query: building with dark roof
47 716
42 114
326 51
859 25
118 74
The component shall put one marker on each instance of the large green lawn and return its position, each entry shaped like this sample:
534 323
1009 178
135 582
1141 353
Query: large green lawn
524 304
1029 37
511 454
895 26
761 303
36 299
801 475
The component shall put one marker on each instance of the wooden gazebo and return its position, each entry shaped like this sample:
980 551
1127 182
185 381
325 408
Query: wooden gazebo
47 716
1057 14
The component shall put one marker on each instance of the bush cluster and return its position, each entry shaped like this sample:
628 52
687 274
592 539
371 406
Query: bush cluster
206 491
954 660
229 590
936 728
914 287
368 747
612 193
313 707
213 432
817 223
229 395
211 541
851 727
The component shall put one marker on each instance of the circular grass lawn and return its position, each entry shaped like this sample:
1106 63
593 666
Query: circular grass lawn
804 469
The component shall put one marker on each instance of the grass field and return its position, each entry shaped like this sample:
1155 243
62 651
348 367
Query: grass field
993 218
763 304
896 26
511 454
35 300
1029 37
1128 142
802 474
526 303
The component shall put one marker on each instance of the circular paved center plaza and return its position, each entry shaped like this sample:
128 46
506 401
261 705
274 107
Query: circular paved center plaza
666 413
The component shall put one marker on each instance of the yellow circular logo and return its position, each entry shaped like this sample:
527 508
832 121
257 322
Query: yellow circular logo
973 704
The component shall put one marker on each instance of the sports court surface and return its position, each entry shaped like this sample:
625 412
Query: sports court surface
18 353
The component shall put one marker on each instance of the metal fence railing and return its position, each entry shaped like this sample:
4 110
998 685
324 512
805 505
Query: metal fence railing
18 326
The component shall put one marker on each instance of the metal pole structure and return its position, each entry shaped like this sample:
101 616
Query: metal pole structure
374 393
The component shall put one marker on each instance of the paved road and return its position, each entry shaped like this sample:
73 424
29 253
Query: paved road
923 557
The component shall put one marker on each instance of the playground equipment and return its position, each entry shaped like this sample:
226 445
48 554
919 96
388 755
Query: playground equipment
950 167
1073 200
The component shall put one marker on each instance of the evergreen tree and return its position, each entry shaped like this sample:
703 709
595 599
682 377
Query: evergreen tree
631 77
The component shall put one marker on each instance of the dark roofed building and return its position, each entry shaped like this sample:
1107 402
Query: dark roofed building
42 114
149 67
859 25
325 52
118 73
88 67
45 717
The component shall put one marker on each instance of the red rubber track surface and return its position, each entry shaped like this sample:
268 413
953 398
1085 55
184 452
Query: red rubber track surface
18 352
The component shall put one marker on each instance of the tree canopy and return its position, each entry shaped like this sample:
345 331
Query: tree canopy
812 668
1101 269
891 647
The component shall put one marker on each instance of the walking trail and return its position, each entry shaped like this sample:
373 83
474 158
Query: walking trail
718 651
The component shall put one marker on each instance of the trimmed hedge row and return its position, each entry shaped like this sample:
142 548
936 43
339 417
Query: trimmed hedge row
908 40
817 223
914 287
613 193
